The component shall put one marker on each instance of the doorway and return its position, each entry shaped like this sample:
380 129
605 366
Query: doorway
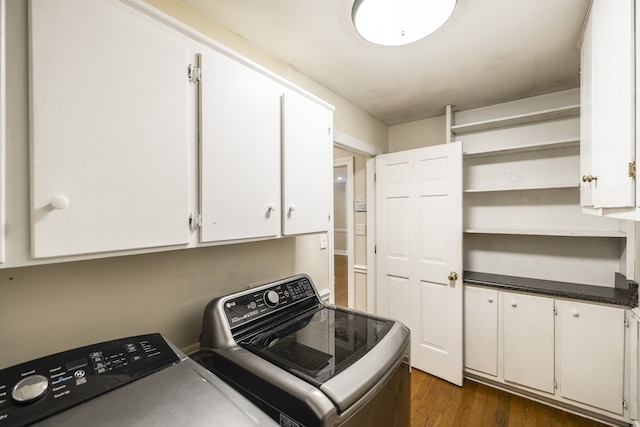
343 253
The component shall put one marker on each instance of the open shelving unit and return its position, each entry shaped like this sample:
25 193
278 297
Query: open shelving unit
521 201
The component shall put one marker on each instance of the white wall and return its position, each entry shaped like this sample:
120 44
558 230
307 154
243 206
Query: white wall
421 133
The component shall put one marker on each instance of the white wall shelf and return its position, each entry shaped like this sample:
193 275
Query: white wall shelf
545 145
538 232
508 189
519 119
521 185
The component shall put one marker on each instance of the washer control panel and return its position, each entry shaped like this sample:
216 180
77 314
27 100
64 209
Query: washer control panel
257 303
40 388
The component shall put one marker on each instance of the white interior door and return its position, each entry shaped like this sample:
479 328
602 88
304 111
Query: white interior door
419 252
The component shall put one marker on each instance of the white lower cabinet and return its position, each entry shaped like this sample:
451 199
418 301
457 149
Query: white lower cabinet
528 341
591 355
481 330
574 358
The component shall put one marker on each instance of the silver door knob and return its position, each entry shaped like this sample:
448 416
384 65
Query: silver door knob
453 276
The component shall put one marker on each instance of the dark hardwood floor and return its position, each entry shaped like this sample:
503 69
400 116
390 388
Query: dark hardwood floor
435 402
341 288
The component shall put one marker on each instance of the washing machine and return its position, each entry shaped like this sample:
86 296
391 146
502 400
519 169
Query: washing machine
306 363
136 381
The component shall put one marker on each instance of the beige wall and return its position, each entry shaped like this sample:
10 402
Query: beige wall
49 308
421 133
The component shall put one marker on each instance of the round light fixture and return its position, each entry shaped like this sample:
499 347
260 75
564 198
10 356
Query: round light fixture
398 22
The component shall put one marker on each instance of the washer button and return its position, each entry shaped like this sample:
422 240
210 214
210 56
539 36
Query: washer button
30 388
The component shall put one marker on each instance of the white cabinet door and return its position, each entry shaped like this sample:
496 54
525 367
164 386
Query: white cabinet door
419 255
608 99
481 330
592 355
307 169
240 151
109 99
529 341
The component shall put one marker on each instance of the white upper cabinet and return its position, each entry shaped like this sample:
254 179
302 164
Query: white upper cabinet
239 151
608 115
143 131
109 107
307 165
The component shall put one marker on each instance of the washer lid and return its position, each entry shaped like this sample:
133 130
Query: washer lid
319 345
185 394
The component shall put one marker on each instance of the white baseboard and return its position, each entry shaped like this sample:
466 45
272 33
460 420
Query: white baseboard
324 295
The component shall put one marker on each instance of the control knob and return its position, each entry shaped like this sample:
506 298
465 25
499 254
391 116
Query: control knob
271 298
30 388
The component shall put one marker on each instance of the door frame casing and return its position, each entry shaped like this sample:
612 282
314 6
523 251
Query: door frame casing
349 198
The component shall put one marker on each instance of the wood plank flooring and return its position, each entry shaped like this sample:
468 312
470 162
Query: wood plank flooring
340 288
435 402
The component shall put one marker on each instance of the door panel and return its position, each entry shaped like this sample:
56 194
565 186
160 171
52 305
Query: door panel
419 242
599 332
240 114
528 341
109 172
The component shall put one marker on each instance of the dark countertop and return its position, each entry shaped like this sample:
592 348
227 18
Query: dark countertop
625 292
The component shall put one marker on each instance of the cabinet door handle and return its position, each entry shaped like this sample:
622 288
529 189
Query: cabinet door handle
514 303
575 313
490 299
453 276
272 208
292 208
59 202
589 178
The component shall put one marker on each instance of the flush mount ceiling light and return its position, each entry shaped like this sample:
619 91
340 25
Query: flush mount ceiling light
398 22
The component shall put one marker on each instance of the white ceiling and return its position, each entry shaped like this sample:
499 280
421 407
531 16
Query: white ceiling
490 51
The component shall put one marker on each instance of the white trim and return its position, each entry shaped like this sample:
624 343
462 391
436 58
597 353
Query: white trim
340 252
325 295
349 195
633 365
340 230
371 238
3 126
359 268
354 144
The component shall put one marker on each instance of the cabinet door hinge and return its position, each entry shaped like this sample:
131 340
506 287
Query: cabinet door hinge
195 221
632 169
626 322
555 384
555 310
624 404
194 74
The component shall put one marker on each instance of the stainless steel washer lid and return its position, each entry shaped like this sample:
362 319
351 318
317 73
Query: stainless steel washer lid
184 394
